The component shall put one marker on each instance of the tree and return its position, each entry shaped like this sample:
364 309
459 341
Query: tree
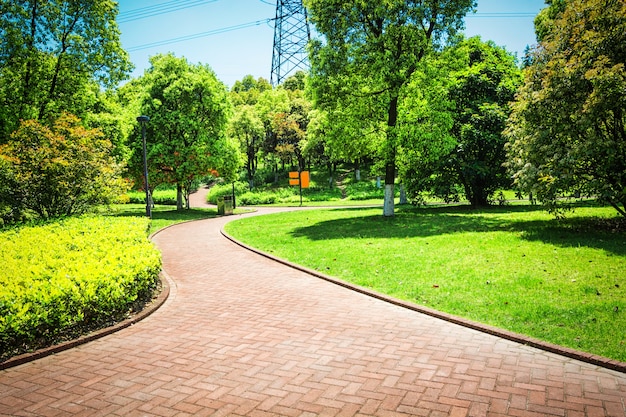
380 44
247 127
567 132
188 109
58 171
481 80
247 90
51 52
270 103
289 129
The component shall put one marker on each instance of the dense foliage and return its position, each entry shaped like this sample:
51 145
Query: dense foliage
91 272
568 129
371 50
478 80
54 55
58 171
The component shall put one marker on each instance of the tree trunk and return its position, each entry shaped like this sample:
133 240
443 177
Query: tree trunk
179 197
403 199
389 203
390 167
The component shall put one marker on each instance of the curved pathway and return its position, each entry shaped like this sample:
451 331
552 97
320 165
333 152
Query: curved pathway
241 335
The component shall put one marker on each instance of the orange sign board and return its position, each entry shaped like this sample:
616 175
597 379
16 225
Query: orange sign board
304 179
299 178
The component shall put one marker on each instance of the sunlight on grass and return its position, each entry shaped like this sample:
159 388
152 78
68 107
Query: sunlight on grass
514 267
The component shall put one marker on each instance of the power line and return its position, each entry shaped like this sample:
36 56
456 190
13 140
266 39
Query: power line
197 35
158 9
501 15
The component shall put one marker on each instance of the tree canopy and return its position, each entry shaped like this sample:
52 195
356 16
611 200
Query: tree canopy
380 44
479 79
567 132
51 51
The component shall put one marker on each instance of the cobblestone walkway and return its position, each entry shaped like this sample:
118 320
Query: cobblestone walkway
241 335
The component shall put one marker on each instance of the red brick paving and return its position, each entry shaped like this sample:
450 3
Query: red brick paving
241 335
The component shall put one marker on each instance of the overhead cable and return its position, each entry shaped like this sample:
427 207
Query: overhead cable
158 9
197 35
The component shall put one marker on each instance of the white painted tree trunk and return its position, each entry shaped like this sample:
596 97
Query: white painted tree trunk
388 207
357 175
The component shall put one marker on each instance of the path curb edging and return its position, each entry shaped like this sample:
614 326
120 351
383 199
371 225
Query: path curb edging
42 353
494 331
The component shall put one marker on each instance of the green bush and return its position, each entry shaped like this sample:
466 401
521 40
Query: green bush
220 190
162 197
63 278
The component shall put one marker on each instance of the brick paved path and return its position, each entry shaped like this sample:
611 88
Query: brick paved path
242 335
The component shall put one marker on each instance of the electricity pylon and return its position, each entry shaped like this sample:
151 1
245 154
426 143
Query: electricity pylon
291 36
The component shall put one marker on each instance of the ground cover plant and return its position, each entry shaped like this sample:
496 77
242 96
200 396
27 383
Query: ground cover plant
66 277
514 267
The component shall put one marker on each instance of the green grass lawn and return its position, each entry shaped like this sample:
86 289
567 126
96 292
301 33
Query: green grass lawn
513 267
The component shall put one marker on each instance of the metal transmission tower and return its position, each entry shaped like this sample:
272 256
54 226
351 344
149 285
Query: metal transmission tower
291 36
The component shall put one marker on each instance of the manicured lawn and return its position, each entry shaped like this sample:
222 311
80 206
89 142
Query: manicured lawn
513 267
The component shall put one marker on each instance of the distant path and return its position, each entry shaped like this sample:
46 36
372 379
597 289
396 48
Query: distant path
241 335
198 199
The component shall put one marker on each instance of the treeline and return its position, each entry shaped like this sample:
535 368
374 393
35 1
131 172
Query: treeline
394 87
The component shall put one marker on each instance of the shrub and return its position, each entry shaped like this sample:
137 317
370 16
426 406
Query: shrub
162 197
220 190
57 171
90 272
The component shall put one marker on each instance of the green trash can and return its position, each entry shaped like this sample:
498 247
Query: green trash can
225 205
228 204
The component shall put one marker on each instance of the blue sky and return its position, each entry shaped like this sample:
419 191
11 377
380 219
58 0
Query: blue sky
235 37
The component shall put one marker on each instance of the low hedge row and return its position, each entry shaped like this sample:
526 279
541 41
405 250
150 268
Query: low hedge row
161 197
61 279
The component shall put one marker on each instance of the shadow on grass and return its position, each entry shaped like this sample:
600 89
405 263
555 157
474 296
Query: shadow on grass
593 232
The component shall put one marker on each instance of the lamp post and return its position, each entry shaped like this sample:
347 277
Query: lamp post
143 120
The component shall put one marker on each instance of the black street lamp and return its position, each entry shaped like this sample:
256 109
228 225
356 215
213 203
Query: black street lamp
143 120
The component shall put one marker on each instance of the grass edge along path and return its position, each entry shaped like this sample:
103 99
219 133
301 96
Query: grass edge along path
578 309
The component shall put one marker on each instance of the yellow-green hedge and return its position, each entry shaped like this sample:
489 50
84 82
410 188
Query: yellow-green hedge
60 279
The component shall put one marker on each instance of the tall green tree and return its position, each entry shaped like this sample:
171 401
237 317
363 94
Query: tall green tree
247 128
188 109
381 45
270 103
480 81
567 131
50 54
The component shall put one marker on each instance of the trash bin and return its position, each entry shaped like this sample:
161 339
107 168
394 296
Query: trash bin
228 204
225 205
